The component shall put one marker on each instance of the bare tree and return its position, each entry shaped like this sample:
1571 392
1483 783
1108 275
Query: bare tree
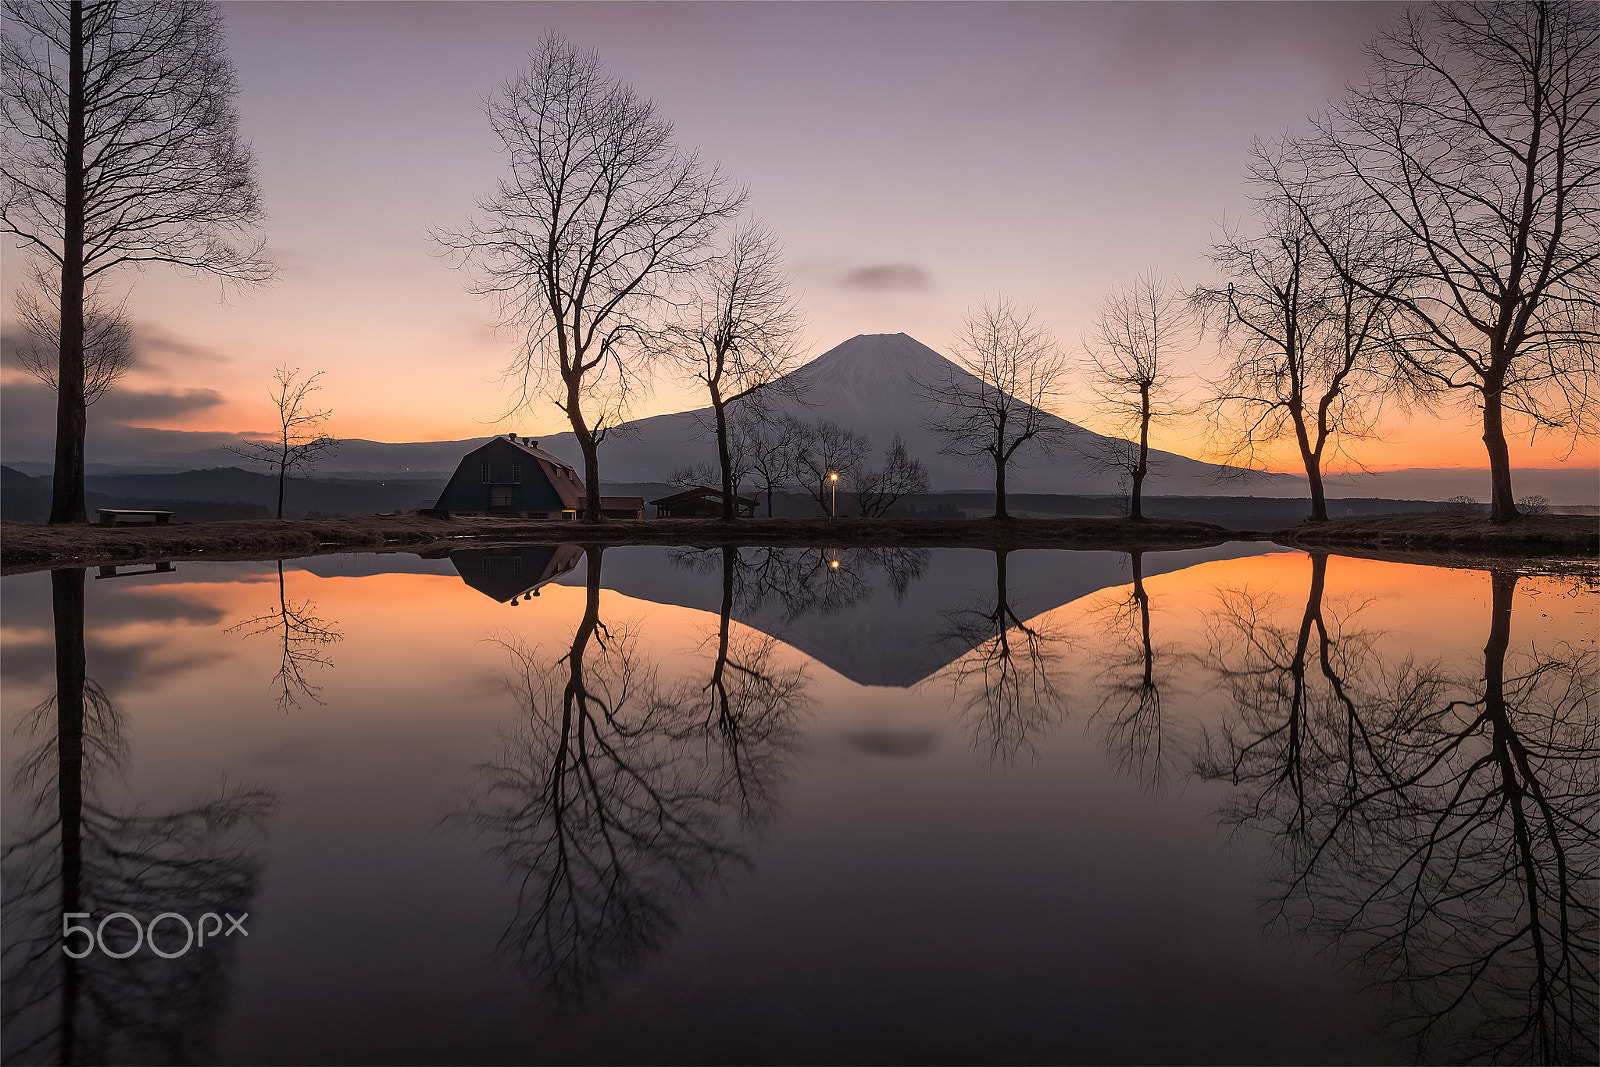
599 219
305 638
740 335
769 445
995 402
1128 678
1007 687
1136 334
827 456
1475 147
1427 819
751 701
300 442
604 805
108 351
877 489
1307 352
700 472
120 146
77 843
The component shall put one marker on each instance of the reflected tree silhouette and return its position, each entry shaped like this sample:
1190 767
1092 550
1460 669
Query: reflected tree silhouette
1298 693
602 806
751 703
1435 824
1006 687
80 852
1128 683
825 581
811 581
305 639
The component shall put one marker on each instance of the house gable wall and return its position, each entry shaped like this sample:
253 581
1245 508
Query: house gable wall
533 494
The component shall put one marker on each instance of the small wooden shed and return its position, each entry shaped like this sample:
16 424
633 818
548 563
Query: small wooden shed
700 502
622 507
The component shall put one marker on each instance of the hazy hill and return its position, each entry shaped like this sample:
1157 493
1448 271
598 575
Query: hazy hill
864 384
219 493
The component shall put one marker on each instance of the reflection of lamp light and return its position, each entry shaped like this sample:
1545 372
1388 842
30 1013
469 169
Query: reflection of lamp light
834 564
833 476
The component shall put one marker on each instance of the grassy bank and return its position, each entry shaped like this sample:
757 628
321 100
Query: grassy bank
26 547
1532 535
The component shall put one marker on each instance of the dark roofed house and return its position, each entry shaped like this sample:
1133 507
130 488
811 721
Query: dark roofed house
700 502
513 476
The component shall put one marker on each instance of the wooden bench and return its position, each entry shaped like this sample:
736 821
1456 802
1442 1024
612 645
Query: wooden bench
114 570
110 516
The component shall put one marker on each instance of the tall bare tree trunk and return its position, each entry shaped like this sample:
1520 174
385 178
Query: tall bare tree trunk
591 477
1142 598
283 465
730 555
1000 587
1319 495
1136 506
590 449
1311 459
725 457
66 594
72 415
1000 490
1502 505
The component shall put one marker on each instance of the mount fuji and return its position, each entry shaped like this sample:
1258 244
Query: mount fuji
867 385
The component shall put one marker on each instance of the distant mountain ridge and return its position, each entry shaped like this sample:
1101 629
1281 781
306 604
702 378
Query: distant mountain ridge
864 384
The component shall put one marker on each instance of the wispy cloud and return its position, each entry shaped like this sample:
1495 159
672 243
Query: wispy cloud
155 341
887 277
133 406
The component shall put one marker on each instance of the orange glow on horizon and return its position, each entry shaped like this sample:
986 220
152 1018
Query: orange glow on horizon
1449 443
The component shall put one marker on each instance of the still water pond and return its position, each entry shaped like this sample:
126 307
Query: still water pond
654 805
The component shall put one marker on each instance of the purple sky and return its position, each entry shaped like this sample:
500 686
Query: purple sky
912 157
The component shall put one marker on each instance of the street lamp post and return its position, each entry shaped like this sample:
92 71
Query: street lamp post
833 512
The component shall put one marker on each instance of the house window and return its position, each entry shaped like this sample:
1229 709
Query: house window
516 474
483 473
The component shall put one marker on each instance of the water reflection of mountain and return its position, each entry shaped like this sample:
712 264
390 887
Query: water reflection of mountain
871 619
874 636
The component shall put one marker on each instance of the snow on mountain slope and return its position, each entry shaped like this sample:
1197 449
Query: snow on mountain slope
867 384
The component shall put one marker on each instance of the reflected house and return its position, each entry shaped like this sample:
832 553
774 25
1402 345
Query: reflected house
700 502
508 574
511 475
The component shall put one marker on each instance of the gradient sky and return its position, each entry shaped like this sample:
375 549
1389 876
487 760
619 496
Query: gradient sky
912 157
